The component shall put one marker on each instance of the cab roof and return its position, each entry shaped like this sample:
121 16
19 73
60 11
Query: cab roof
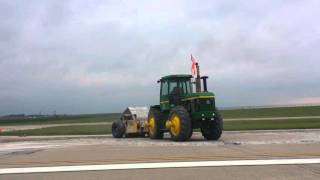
174 76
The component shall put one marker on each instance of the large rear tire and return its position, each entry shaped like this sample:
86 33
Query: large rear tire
190 134
154 124
118 129
132 135
180 124
212 130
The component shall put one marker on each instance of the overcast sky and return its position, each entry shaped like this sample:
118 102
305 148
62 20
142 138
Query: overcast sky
101 56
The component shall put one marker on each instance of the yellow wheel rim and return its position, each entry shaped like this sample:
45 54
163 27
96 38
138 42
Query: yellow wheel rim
152 125
175 125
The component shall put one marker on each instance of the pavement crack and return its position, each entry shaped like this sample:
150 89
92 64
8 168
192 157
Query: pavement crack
23 152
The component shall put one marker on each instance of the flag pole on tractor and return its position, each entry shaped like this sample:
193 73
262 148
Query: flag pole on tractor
196 70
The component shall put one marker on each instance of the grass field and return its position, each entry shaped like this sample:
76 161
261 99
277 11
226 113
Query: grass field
88 118
227 114
271 124
273 112
228 126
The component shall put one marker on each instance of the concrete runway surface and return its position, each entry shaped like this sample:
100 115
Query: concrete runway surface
24 152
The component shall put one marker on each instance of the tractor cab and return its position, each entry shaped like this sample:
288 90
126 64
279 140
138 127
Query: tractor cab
173 89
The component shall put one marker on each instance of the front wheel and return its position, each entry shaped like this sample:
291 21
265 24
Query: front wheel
179 124
212 130
154 124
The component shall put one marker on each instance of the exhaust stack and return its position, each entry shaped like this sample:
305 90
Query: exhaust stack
198 81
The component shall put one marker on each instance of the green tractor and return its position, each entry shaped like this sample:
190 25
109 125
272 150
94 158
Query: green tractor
181 110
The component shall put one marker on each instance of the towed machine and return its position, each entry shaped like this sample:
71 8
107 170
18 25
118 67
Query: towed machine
132 123
181 110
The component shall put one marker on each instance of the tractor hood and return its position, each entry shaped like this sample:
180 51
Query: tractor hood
200 95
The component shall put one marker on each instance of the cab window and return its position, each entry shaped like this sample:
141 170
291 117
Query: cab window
186 87
180 87
173 85
164 88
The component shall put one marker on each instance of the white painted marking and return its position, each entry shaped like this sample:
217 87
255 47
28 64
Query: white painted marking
158 165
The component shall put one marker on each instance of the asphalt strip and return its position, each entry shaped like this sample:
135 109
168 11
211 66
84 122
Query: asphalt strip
158 165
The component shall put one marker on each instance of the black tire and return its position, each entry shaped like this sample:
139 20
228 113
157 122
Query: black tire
131 135
142 134
212 130
118 129
185 124
157 134
190 134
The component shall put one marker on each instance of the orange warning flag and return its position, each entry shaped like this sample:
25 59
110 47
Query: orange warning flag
193 65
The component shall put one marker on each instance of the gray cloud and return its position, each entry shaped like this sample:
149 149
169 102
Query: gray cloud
101 56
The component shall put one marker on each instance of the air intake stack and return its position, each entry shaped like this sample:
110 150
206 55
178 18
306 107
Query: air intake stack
204 78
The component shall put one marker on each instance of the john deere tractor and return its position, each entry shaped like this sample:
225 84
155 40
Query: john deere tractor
181 110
